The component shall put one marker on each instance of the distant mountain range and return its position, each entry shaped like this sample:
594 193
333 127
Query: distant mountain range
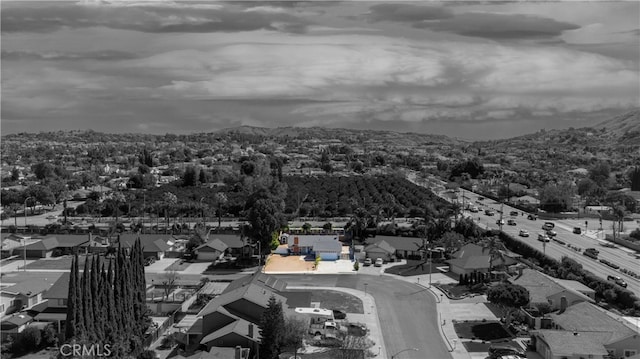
623 124
389 137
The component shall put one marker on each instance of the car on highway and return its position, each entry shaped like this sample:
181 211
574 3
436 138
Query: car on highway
489 212
548 226
511 222
543 237
513 213
617 280
500 222
608 245
51 216
577 230
532 217
524 233
378 262
474 209
552 233
480 198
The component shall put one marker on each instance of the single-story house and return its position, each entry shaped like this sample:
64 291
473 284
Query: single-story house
304 243
560 344
39 249
235 244
237 333
68 244
14 325
545 289
618 337
404 246
380 249
212 250
474 258
153 245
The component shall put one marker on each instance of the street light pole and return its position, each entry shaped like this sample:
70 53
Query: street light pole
24 240
405 350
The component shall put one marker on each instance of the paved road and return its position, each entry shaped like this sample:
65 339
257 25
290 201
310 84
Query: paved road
407 312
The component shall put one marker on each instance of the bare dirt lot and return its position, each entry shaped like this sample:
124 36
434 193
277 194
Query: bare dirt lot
278 263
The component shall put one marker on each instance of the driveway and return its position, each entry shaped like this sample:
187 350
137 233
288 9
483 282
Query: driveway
160 265
196 268
407 312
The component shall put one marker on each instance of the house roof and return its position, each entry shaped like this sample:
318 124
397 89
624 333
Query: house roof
575 285
330 246
542 286
46 244
308 240
253 293
231 240
470 250
568 343
383 245
31 286
71 240
588 317
150 242
239 327
399 243
213 245
15 320
473 262
60 289
261 279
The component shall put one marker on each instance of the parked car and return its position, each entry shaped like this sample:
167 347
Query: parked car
577 230
339 314
524 233
496 351
367 262
378 262
511 222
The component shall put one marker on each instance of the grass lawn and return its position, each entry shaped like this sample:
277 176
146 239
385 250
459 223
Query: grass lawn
457 290
336 300
60 263
414 267
176 266
486 331
476 347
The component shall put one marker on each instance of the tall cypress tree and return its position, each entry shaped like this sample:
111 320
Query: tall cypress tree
98 321
271 329
70 323
87 296
80 329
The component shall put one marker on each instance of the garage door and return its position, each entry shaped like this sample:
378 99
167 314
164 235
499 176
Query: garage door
328 256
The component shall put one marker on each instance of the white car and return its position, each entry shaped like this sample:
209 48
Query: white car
543 237
378 262
524 233
367 262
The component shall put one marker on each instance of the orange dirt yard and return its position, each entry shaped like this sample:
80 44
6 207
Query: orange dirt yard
279 263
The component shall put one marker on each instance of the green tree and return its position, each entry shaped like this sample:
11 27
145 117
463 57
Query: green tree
272 330
221 200
31 338
293 333
600 174
509 297
634 178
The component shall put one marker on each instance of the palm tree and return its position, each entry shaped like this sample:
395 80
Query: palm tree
221 199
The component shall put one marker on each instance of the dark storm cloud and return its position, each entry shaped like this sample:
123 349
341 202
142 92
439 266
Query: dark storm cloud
106 55
499 26
145 19
406 13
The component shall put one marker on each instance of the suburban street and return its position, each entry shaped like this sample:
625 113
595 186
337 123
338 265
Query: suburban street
407 312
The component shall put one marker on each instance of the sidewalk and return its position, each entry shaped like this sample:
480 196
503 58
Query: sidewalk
370 317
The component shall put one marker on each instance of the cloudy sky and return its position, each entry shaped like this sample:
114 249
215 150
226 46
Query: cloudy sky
466 69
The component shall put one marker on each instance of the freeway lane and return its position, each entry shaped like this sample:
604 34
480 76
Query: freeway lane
407 312
616 255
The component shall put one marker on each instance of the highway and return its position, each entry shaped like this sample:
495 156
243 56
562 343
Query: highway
624 257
